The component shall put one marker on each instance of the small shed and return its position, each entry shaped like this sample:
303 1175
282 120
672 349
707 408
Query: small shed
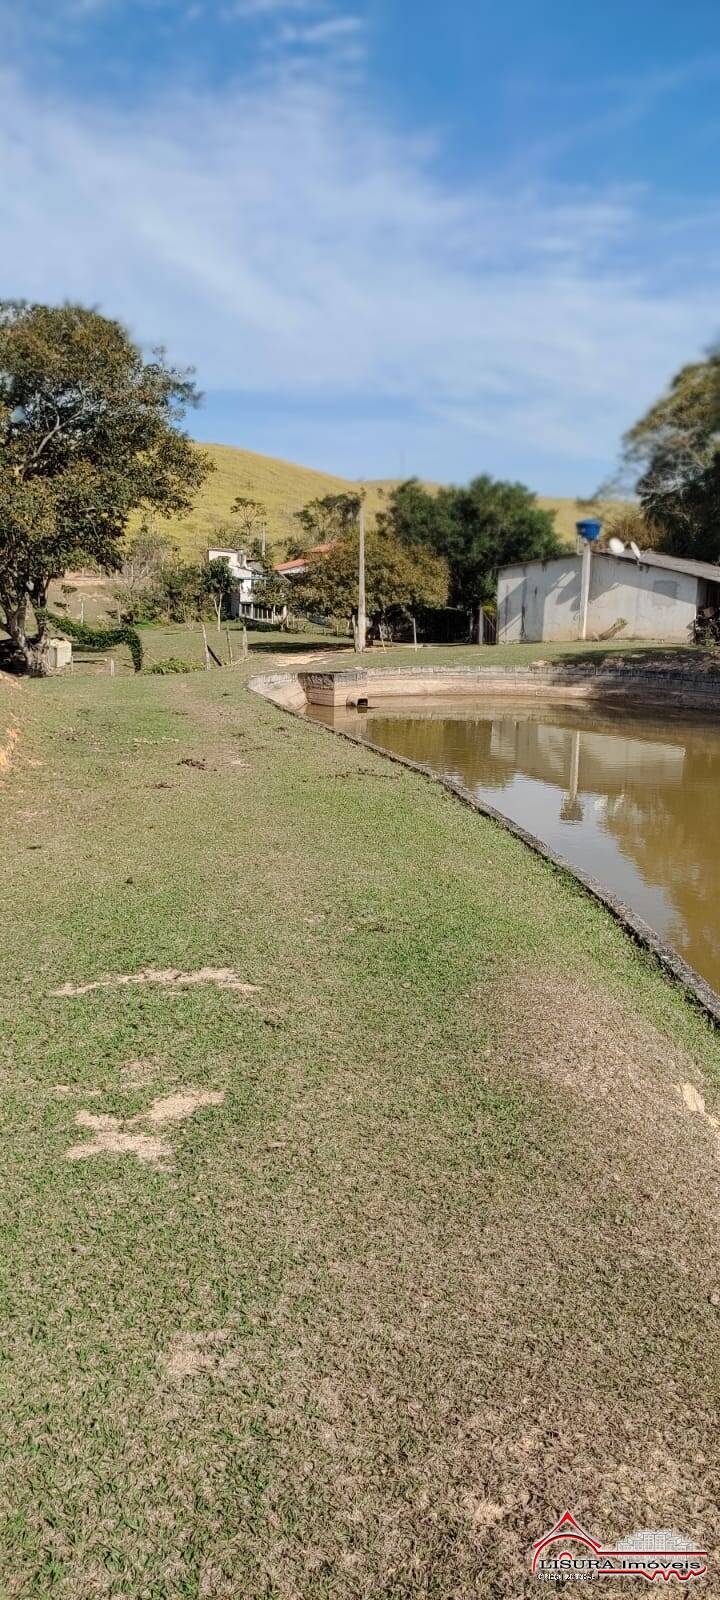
653 596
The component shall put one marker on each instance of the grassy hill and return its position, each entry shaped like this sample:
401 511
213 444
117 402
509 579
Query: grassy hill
280 485
284 489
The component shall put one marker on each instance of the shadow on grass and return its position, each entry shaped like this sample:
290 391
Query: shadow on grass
290 644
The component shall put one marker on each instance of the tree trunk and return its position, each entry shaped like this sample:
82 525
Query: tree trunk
31 652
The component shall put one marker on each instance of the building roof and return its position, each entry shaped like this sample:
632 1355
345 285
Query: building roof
648 558
657 558
299 563
284 567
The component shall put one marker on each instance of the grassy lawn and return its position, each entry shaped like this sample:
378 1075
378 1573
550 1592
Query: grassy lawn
184 640
367 1228
515 655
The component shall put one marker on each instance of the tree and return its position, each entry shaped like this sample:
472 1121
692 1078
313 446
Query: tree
477 530
89 433
396 578
177 592
261 550
331 516
145 555
272 590
674 454
627 522
250 513
219 583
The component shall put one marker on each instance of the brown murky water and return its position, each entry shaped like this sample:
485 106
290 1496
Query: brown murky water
631 798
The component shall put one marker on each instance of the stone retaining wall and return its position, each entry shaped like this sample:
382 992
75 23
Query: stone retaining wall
645 686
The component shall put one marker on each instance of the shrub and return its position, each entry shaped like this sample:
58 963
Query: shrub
173 664
99 638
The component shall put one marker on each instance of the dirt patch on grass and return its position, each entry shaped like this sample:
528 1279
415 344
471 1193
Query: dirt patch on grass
7 748
695 1102
193 1355
176 1107
167 977
109 1137
112 1136
137 1072
10 733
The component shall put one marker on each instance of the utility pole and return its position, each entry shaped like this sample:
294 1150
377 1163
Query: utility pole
585 571
361 581
588 532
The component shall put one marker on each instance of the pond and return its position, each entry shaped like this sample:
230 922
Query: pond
629 797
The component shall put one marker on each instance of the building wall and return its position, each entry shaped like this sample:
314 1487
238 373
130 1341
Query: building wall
541 600
235 560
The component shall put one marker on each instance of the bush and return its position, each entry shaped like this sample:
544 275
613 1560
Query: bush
99 638
173 664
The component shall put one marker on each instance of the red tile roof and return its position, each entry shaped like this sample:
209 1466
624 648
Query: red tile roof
299 563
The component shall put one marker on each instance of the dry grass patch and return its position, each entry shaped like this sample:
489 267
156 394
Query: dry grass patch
176 1107
113 1137
193 1355
109 1137
169 977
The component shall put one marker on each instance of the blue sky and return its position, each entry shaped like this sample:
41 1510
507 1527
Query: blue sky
390 237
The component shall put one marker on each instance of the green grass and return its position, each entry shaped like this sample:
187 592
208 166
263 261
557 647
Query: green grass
462 655
439 1263
186 642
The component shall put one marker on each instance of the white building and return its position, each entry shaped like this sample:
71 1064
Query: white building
247 573
655 597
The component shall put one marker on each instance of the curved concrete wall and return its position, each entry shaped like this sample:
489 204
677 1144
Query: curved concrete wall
606 680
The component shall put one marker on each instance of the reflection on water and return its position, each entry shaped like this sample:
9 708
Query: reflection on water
630 798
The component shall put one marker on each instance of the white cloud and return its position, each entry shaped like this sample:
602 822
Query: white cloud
287 242
328 31
269 9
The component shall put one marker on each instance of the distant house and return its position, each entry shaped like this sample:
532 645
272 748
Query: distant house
244 601
299 565
245 572
654 596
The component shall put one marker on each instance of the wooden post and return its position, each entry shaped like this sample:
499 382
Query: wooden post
111 666
415 643
244 644
207 647
229 646
361 623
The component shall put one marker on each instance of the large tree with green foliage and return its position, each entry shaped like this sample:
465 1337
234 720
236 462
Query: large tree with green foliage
674 454
89 433
331 516
397 578
476 530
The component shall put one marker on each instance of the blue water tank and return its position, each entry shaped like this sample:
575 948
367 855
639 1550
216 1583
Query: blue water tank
589 528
